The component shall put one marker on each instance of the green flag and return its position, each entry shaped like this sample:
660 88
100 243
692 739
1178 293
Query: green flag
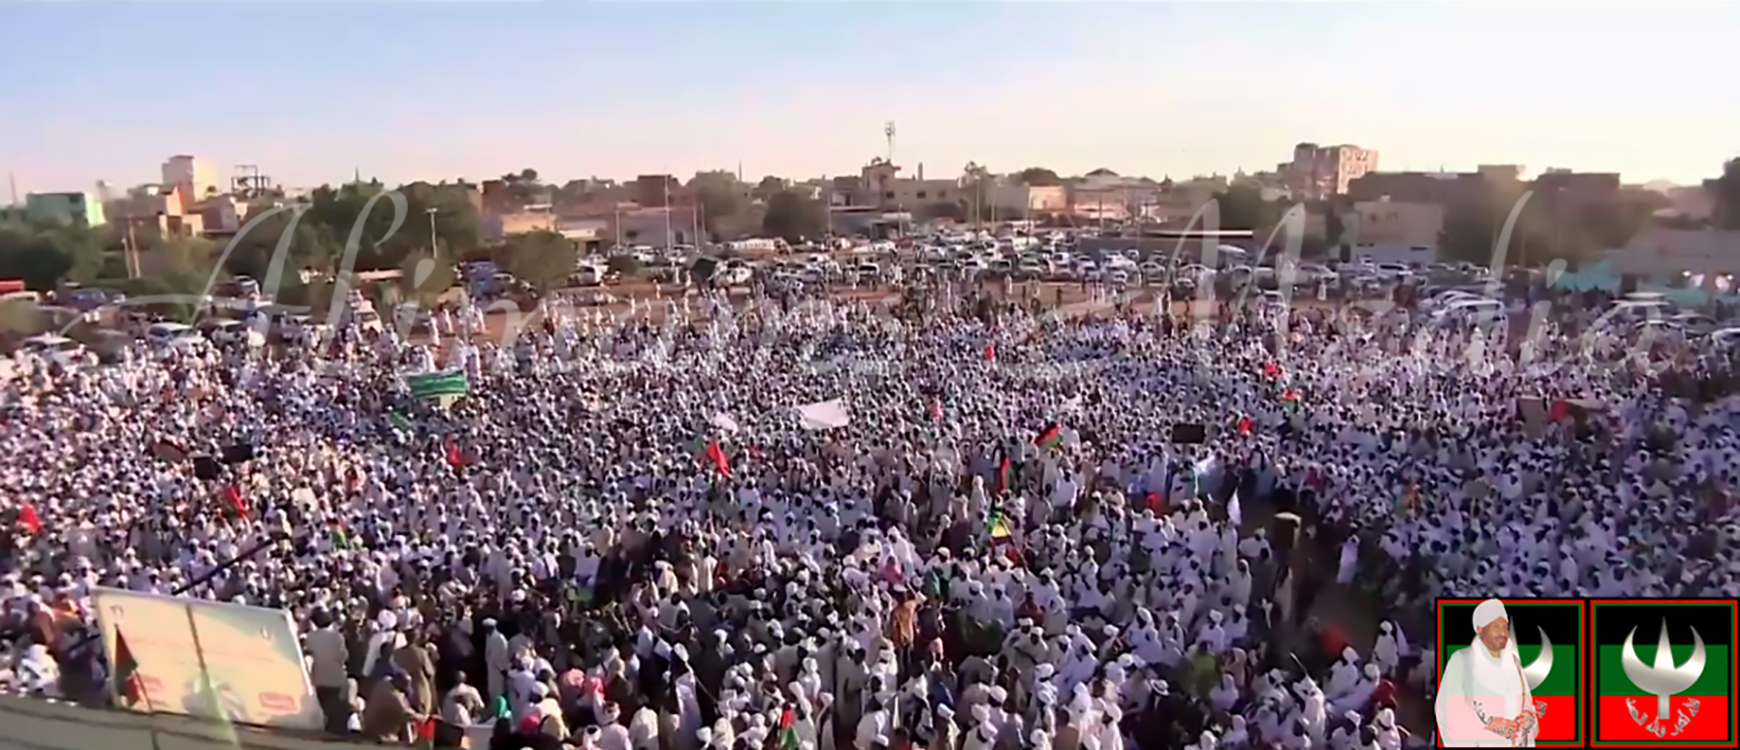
434 385
399 420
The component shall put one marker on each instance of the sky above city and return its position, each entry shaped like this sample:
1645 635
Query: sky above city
314 91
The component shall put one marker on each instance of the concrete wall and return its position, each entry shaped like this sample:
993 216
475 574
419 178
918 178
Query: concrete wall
35 724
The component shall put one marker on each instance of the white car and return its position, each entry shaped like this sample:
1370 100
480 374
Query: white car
57 349
173 337
1695 323
1470 308
235 332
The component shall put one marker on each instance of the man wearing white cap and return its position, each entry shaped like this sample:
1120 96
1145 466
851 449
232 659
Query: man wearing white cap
1483 698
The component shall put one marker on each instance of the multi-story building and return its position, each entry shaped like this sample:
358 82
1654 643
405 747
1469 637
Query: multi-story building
1444 188
1565 190
197 176
1319 172
1388 222
67 209
655 190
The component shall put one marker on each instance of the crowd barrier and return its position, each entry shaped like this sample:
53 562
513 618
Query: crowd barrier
37 724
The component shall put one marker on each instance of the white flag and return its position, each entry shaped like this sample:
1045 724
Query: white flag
824 415
724 422
1233 512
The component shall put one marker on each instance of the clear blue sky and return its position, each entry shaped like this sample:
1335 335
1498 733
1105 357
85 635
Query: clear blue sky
426 90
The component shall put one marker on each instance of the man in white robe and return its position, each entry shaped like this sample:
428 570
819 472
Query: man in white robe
1482 695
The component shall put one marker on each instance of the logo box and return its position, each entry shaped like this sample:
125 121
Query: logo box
1640 698
1535 623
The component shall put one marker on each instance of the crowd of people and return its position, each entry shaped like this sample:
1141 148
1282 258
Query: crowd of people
1099 529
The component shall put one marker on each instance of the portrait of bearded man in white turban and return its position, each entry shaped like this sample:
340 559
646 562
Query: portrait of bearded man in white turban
1484 699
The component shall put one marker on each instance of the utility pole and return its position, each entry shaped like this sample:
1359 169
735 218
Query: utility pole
131 256
12 180
888 132
433 250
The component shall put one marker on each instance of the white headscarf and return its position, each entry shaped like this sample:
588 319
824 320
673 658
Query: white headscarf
1487 671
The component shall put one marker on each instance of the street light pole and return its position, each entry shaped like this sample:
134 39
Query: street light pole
432 247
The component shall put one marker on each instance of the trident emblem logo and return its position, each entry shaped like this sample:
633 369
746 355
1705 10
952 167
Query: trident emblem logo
1662 679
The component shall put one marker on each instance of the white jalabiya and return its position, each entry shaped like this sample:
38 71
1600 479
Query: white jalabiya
1478 686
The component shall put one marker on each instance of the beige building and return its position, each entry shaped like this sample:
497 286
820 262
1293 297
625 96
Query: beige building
1661 252
198 177
1017 199
1320 172
493 228
1387 222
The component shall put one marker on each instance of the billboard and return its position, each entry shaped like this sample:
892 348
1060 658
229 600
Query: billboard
1547 640
1663 672
206 659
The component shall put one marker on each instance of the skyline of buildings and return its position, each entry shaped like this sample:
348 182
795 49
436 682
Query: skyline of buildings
1374 206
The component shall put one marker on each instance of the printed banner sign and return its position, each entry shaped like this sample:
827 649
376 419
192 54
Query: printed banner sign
1542 643
1663 672
210 660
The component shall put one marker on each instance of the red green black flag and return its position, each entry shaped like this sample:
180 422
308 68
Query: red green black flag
1663 672
1550 641
126 672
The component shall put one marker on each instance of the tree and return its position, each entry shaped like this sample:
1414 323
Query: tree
338 211
1333 227
1242 208
717 203
424 278
542 259
1473 232
626 266
1726 191
28 255
793 216
944 210
1039 177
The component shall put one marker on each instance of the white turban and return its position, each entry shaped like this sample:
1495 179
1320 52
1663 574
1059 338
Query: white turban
1489 610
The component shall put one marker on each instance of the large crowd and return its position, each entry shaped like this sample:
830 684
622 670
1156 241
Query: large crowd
1014 536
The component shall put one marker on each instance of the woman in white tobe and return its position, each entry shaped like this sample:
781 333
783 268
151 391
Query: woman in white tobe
1483 698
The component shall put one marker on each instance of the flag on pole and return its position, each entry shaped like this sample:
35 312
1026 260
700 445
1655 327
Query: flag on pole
340 537
28 517
1003 477
434 385
788 736
455 457
999 526
720 462
238 503
128 686
1050 438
